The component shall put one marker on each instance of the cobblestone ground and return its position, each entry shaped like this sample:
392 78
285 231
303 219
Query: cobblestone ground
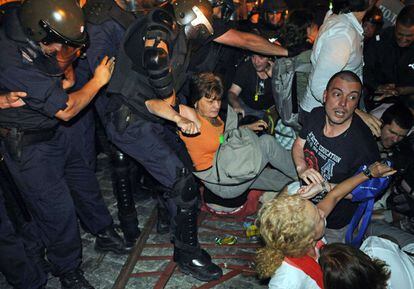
102 269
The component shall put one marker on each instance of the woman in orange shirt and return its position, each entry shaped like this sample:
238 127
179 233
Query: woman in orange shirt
206 93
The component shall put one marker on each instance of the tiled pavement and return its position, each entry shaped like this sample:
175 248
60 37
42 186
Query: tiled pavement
102 269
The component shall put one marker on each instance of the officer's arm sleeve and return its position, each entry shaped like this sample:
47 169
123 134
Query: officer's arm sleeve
333 57
44 93
100 44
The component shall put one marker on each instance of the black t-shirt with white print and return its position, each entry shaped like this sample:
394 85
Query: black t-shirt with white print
338 158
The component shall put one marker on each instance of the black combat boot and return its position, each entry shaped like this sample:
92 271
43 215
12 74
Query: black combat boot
109 241
75 280
129 227
187 252
122 185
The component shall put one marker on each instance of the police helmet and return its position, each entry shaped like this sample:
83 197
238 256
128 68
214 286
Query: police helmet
139 5
53 21
227 7
274 6
196 16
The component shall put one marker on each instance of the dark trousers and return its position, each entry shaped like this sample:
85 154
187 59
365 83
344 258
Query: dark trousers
157 147
80 174
19 267
45 175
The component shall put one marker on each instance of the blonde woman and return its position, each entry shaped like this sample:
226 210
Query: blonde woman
292 229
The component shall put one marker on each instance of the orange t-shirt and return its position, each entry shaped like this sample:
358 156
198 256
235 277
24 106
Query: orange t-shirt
202 147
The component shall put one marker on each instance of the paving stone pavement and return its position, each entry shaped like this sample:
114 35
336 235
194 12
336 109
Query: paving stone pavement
102 269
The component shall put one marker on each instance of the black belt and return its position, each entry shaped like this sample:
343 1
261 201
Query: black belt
27 137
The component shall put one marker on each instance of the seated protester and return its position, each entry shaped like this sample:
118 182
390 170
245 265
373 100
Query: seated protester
344 266
332 146
397 144
292 229
397 122
251 91
207 91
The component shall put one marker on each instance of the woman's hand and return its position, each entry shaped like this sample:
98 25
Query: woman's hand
309 191
190 114
187 126
380 170
257 126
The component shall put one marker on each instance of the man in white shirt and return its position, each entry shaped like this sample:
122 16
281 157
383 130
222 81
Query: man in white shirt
339 46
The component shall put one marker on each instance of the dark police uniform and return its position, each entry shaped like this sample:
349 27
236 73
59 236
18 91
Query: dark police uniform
43 159
154 141
19 268
106 25
130 87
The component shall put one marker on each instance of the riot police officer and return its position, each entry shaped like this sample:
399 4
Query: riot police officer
144 114
38 41
106 23
272 18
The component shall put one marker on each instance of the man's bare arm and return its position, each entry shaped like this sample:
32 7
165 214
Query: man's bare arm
377 169
78 100
252 42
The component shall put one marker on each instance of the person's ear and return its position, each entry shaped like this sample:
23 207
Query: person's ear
325 92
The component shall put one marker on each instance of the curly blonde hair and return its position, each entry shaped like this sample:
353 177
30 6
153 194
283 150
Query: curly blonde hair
286 230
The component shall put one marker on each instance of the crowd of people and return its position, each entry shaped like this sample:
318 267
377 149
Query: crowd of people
182 94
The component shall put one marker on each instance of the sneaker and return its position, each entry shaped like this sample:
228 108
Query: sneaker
75 280
110 241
